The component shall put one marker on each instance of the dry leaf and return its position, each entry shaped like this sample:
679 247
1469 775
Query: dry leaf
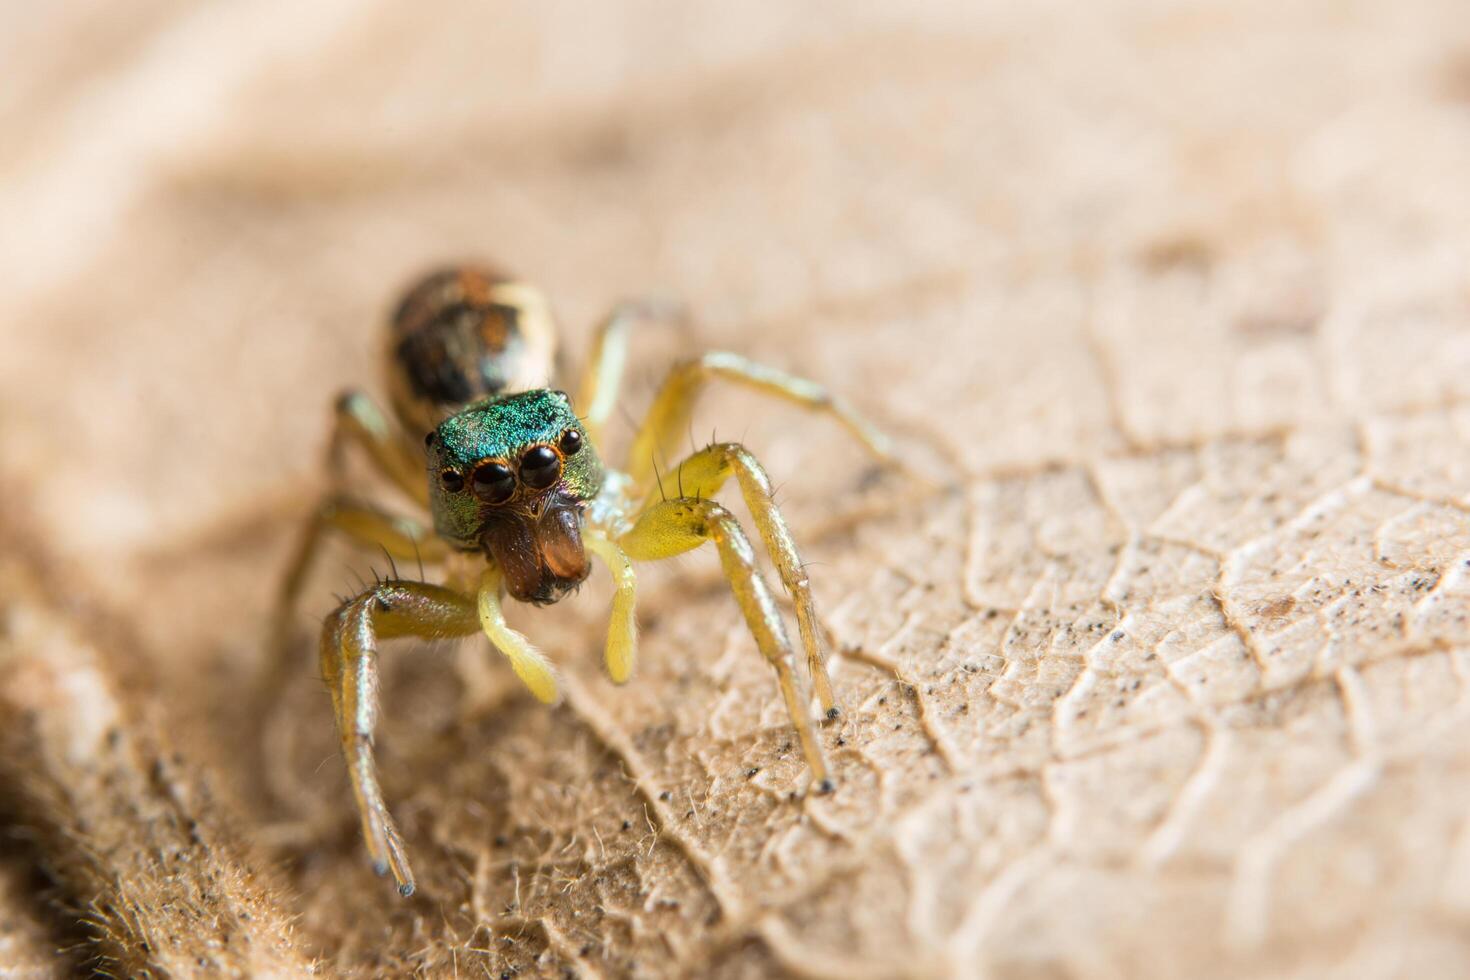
1166 678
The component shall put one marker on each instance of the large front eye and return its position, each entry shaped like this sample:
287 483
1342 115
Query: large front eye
493 482
540 467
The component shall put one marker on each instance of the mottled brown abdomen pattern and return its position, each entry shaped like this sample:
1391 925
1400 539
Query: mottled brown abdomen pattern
465 334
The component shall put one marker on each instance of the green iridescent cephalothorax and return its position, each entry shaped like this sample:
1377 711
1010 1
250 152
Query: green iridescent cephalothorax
503 429
511 476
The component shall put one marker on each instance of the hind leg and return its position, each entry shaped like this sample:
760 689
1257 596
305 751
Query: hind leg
664 426
602 378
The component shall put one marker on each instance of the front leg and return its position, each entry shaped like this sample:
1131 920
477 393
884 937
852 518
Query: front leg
673 527
702 475
349 661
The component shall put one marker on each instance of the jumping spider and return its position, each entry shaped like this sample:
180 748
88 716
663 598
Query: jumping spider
514 478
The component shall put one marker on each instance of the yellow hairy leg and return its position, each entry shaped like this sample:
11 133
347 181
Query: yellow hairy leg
603 375
673 527
349 662
668 419
370 527
403 538
702 475
356 419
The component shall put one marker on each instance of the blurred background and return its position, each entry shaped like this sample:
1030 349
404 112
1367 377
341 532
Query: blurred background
1172 298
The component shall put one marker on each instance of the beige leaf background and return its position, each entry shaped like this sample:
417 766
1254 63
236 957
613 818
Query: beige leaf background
1165 676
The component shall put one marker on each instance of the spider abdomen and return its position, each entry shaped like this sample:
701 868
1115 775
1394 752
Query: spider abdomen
463 335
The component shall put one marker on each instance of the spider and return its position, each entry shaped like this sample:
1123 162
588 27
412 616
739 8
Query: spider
508 471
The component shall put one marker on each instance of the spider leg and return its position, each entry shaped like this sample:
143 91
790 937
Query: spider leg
402 538
602 378
668 418
673 527
357 420
349 661
622 628
530 664
702 475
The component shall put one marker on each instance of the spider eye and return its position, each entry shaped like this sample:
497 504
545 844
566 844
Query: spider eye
571 441
493 482
451 481
540 467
